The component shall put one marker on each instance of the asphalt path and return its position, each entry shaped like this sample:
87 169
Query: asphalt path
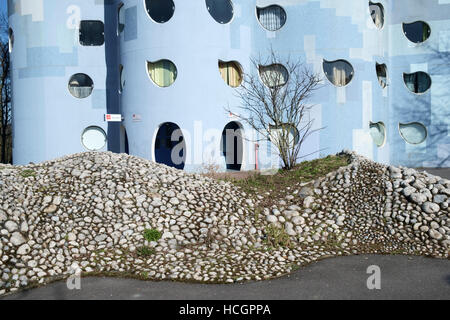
401 277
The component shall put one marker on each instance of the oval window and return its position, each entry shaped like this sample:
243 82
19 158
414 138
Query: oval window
81 85
163 72
122 79
221 10
377 14
120 18
417 32
340 73
274 75
11 39
272 17
417 82
160 10
413 133
231 73
93 138
382 75
378 133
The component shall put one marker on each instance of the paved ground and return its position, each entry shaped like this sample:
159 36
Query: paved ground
442 172
336 278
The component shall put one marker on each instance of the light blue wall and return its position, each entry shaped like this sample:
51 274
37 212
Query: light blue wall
432 108
194 41
47 119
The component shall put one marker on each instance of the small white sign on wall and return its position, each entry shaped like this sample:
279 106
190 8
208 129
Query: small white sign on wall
137 118
113 117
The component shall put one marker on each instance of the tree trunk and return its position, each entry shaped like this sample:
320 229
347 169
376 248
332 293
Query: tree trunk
4 142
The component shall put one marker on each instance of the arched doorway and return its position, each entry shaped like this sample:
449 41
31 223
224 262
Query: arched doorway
232 146
170 147
124 147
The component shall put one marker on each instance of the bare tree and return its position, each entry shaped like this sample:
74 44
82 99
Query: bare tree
5 93
275 103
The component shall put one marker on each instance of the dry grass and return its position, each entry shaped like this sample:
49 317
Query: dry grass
256 183
277 186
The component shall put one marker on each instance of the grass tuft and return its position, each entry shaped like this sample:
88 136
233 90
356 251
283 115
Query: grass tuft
145 251
152 235
28 173
303 172
277 237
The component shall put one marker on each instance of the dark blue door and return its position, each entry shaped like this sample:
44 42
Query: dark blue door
170 146
232 146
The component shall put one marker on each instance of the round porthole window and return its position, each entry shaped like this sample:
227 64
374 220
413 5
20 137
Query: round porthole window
160 11
378 133
93 138
272 18
231 73
221 10
417 82
382 74
163 72
377 14
340 72
413 133
274 75
81 85
417 32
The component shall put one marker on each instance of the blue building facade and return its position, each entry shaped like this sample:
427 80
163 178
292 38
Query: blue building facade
170 64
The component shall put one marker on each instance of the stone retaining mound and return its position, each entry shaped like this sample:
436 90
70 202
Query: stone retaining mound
121 215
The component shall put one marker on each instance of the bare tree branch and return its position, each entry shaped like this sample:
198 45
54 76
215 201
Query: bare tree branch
275 103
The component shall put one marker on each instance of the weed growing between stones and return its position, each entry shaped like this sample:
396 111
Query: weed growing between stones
152 235
145 251
277 237
28 173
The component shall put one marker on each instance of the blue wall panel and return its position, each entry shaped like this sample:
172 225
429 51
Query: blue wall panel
47 120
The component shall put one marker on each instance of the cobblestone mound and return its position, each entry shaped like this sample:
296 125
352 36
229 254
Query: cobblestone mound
104 213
